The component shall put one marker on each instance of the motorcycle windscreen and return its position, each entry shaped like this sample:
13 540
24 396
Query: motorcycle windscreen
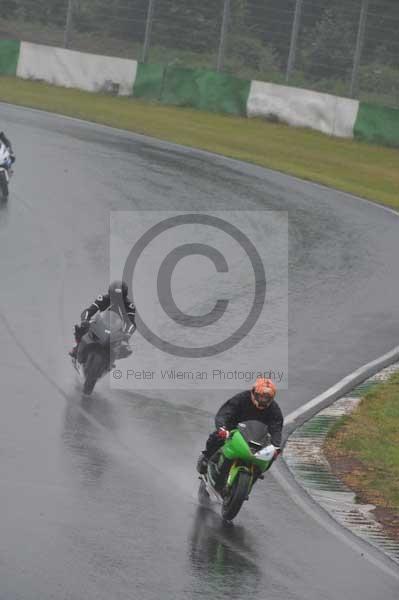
108 327
255 433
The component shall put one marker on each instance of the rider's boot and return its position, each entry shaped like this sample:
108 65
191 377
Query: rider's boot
221 474
202 464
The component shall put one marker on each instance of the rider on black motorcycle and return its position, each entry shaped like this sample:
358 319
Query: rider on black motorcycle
257 404
116 300
7 143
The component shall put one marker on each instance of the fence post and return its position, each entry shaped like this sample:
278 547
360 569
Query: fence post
223 34
148 30
68 24
359 47
294 39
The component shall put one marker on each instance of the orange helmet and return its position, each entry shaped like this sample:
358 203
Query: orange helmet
264 391
265 387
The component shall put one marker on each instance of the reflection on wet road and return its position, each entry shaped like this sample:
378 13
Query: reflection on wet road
83 440
220 557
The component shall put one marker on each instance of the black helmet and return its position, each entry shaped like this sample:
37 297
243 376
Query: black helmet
118 287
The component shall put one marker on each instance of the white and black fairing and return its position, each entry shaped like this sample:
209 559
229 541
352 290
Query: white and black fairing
105 334
5 169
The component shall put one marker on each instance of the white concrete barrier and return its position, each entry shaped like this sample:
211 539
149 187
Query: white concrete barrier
302 108
297 107
345 117
73 69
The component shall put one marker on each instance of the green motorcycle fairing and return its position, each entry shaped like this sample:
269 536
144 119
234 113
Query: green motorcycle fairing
237 449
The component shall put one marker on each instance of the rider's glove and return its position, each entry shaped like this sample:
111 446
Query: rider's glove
222 433
84 327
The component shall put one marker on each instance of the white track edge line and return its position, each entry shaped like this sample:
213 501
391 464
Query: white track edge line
364 371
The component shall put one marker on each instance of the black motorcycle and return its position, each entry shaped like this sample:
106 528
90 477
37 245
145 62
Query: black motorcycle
104 342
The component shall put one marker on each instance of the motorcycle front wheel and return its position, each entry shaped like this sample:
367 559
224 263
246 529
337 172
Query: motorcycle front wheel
235 497
93 369
3 185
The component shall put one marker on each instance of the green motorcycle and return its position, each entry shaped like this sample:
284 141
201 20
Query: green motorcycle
234 468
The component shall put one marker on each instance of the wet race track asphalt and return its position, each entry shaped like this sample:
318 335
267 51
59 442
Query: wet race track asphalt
98 499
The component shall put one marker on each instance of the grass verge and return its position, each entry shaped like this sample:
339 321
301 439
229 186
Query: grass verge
364 449
364 170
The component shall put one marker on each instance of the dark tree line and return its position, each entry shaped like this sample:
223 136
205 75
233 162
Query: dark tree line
259 30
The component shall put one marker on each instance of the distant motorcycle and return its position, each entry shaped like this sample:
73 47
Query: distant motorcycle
234 468
104 342
5 170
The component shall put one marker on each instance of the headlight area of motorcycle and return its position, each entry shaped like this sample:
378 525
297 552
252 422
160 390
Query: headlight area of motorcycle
266 453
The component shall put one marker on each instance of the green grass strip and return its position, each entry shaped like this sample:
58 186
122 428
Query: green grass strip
365 170
371 435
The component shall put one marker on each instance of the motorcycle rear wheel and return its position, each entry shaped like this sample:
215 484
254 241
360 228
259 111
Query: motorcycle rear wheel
93 369
236 496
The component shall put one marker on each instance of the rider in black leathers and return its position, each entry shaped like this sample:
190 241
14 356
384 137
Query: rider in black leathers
257 404
116 300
